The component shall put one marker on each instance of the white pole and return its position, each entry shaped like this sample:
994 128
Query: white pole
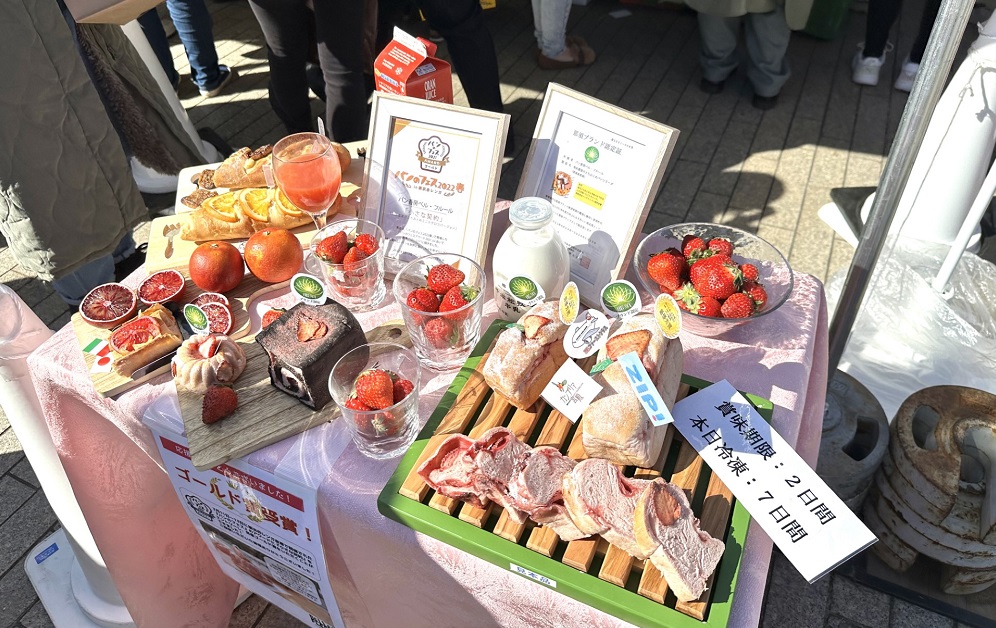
958 247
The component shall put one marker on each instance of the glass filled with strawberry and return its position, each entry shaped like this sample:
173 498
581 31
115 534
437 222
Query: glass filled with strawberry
441 298
351 255
376 387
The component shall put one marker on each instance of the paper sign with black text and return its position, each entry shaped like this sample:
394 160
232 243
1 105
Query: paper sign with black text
571 390
812 527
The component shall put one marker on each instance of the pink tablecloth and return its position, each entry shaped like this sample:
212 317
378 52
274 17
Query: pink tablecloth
383 574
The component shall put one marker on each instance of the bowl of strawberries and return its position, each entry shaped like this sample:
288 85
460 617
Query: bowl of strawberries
721 276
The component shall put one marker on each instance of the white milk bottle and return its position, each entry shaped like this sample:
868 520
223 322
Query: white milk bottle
530 262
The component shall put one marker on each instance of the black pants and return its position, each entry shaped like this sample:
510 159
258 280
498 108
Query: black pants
338 30
881 16
472 50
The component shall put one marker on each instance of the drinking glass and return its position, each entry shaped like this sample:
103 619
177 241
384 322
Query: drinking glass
360 285
388 432
307 169
442 340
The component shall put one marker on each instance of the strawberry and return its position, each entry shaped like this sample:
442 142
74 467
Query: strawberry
355 404
691 245
333 248
738 305
454 299
375 389
717 279
709 306
689 299
367 243
722 246
401 389
219 402
443 277
756 292
749 272
271 315
668 270
423 300
309 329
439 333
353 259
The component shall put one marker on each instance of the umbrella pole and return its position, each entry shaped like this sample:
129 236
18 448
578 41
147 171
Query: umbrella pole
945 38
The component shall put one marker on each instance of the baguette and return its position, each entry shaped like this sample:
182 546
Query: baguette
523 361
615 426
243 169
168 338
207 222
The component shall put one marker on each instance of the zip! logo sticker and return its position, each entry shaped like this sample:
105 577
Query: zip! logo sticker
645 389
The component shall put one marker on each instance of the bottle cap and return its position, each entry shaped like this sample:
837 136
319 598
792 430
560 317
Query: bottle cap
530 212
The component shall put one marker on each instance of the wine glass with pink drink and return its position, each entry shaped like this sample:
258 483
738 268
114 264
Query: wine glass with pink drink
307 169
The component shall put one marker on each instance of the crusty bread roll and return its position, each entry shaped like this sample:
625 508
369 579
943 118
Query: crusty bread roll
243 169
668 531
523 362
166 340
615 425
201 224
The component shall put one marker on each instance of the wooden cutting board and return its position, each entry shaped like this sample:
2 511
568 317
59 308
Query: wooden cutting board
265 415
165 253
110 383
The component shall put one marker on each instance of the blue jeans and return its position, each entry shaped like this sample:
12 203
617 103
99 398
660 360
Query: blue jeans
550 25
74 286
193 25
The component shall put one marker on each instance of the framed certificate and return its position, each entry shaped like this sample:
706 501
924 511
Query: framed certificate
601 167
431 177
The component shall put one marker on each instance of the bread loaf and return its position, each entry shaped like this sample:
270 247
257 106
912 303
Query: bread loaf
163 337
615 425
243 169
523 361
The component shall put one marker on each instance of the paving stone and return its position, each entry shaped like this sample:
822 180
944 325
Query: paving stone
836 621
14 493
863 170
16 594
23 529
37 617
276 618
840 257
858 603
906 615
4 423
23 471
10 450
31 289
791 601
707 207
829 166
249 612
51 308
679 191
755 183
779 238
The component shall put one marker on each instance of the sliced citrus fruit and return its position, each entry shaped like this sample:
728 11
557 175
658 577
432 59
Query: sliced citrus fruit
222 207
108 305
211 297
255 203
134 333
219 318
284 205
160 287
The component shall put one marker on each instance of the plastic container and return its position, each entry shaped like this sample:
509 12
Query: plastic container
530 261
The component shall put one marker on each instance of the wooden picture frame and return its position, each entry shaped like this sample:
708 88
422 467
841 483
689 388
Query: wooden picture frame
601 167
442 164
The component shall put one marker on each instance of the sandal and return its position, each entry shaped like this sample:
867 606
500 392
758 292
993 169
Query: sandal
581 56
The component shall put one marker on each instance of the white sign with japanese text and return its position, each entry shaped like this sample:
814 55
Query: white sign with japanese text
571 390
812 527
263 531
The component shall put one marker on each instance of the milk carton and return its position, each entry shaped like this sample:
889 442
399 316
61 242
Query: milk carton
407 67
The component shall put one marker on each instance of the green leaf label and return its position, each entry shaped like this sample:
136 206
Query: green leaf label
523 288
620 299
601 366
515 326
308 289
196 318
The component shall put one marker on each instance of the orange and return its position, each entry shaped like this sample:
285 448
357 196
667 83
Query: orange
216 267
273 255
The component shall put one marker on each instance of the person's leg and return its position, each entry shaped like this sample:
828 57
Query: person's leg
462 24
550 20
339 26
930 10
881 16
152 26
768 37
193 25
282 23
718 48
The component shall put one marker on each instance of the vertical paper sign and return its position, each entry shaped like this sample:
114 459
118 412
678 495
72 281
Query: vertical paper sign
807 521
262 530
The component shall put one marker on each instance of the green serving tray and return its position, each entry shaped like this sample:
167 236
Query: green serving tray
623 602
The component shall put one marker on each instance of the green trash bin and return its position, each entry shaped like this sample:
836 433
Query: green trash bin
827 18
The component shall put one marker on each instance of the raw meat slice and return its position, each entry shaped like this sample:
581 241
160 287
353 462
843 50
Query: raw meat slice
537 490
602 501
496 455
451 470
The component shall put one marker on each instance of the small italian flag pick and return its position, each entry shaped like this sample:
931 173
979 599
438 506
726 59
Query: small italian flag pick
102 351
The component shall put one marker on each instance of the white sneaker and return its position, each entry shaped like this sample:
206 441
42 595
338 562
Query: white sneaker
865 70
904 82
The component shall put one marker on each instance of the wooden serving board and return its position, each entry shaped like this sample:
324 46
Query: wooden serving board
163 254
589 570
265 414
110 383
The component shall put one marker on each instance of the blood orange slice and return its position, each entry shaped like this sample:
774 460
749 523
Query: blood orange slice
165 285
134 333
219 318
211 297
108 305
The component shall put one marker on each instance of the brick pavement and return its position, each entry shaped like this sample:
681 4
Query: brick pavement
768 172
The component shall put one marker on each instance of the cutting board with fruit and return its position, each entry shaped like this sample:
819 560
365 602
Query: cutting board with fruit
264 414
96 342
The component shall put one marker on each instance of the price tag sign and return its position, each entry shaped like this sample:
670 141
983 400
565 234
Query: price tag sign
668 315
650 397
587 334
571 390
812 527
